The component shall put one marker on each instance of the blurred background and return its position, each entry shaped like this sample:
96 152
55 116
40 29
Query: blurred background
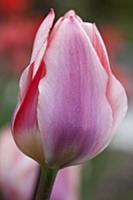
110 175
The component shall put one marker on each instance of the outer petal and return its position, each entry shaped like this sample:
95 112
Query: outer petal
72 13
25 127
24 119
117 99
74 116
39 48
115 92
42 34
98 44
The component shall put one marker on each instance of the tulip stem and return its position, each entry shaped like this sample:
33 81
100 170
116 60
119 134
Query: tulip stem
45 183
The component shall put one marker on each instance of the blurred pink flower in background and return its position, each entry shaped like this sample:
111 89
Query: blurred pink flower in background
113 38
18 174
16 40
67 184
8 7
17 28
17 171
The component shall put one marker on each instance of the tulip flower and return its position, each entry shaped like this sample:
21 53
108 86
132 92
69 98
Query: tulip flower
70 103
18 174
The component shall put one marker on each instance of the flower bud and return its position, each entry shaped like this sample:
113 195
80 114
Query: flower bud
70 103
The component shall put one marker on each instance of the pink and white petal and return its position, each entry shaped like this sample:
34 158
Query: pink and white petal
39 59
39 48
74 116
115 92
42 34
24 85
25 121
70 13
25 81
56 26
73 14
118 100
29 73
98 44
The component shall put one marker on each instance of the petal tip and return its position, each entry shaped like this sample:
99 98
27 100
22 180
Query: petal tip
70 13
51 12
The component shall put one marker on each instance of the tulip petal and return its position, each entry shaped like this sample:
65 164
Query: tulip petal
25 81
71 13
25 115
39 48
25 123
77 117
42 34
115 92
98 44
118 100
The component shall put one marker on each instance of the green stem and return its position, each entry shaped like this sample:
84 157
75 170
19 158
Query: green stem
46 181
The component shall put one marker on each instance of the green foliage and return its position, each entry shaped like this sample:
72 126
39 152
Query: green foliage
8 91
108 177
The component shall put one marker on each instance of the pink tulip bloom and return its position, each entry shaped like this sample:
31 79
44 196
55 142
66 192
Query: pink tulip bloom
70 103
18 174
